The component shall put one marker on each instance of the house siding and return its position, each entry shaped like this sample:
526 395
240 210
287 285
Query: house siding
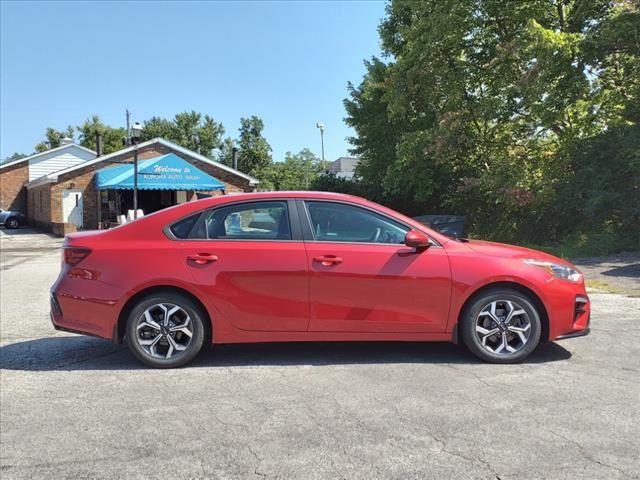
56 161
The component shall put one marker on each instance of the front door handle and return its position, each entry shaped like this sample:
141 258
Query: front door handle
328 260
202 258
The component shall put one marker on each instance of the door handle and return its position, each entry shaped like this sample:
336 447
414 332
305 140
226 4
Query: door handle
328 260
202 258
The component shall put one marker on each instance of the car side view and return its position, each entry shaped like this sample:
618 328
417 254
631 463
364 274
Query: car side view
12 219
308 266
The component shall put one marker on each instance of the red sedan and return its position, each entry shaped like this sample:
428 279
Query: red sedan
308 266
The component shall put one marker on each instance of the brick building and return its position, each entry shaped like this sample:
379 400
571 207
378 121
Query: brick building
67 200
16 174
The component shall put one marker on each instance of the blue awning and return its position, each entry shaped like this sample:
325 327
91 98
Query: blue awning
168 172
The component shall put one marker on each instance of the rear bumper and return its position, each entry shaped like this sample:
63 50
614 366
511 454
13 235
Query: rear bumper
92 309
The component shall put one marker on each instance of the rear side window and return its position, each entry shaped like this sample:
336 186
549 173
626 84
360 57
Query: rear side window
246 221
183 228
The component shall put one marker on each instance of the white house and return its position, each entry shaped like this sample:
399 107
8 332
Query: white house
16 174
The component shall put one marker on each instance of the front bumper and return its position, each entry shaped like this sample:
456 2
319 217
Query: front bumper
582 327
569 311
582 333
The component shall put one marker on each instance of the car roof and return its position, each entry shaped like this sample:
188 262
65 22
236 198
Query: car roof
241 197
175 212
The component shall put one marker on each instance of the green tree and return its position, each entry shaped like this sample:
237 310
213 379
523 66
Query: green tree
192 130
111 137
297 172
13 157
53 138
254 151
483 107
157 127
225 151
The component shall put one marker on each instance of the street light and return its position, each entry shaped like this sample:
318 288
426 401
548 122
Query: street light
134 135
321 127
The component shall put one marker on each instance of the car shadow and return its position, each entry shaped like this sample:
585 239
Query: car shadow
71 353
630 271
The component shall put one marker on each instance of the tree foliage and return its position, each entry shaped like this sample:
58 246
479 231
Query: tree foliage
492 109
201 133
254 150
111 137
297 172
14 156
192 130
53 138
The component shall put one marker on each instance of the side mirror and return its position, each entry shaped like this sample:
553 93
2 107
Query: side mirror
417 239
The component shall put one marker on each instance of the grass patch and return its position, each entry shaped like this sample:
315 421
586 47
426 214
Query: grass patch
600 285
589 245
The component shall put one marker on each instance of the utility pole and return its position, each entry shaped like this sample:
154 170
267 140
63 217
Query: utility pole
134 137
321 127
128 114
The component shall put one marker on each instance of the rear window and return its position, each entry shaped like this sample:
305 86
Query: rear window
183 228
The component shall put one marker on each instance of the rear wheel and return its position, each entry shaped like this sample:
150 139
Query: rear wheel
501 326
165 330
12 223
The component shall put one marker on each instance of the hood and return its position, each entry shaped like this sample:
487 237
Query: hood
10 213
503 250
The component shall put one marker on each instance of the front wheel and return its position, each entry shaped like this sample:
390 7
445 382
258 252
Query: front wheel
501 326
165 330
12 223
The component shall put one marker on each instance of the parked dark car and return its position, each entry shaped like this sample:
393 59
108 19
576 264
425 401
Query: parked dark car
450 225
11 218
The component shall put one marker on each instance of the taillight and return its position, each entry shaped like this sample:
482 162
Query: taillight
74 255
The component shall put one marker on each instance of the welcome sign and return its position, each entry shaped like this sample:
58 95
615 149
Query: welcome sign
167 172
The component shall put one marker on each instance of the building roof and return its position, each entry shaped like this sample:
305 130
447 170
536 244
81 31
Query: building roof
53 177
46 152
344 165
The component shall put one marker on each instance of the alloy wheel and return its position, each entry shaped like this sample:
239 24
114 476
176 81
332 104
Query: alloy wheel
164 330
503 327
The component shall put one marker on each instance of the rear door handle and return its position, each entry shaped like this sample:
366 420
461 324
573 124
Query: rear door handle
328 260
202 258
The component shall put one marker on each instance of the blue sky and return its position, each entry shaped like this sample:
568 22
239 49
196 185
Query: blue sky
287 62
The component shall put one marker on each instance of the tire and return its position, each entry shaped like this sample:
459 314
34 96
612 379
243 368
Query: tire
12 223
173 347
513 319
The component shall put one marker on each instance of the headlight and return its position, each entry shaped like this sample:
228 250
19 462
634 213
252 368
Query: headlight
561 271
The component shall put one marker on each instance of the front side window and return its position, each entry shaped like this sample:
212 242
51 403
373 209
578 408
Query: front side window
337 222
246 221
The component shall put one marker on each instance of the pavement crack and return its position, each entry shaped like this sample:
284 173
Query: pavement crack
256 470
228 424
470 459
587 456
470 373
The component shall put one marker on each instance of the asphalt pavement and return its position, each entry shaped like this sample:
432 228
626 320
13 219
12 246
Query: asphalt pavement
78 407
